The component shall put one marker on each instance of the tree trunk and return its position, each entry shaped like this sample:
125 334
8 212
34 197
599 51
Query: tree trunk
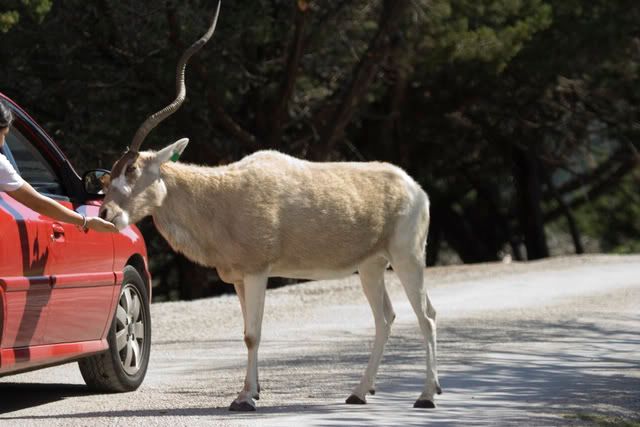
528 183
433 244
571 222
460 235
192 279
396 98
290 74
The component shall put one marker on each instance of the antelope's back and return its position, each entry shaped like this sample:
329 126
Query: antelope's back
327 215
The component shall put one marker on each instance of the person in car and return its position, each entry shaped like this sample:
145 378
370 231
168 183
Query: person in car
23 192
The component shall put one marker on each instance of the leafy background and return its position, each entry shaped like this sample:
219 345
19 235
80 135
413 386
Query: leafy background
518 117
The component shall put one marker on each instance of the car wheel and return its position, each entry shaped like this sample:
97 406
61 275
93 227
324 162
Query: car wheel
124 365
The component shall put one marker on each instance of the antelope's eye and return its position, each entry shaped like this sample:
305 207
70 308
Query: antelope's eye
130 169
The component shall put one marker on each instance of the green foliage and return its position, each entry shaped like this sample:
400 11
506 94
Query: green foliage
8 20
490 32
463 94
11 10
37 8
493 31
614 218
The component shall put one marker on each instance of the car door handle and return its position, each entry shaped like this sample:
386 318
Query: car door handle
57 233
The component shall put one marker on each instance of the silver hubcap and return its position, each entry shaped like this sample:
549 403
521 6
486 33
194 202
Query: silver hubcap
130 337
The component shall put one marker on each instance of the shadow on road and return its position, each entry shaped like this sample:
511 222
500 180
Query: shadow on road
513 372
183 412
17 396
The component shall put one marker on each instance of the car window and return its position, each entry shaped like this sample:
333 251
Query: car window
31 165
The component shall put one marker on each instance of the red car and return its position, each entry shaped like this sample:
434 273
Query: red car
66 294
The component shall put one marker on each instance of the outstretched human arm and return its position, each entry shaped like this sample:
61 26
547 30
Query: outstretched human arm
49 207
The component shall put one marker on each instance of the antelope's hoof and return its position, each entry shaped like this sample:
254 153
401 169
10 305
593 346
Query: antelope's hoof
372 391
355 400
242 406
423 403
257 395
439 390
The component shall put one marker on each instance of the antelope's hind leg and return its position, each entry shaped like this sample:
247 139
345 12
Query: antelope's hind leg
411 272
372 278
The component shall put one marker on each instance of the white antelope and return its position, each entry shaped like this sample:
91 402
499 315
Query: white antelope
270 214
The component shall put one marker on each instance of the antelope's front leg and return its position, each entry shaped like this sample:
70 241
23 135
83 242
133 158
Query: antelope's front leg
255 287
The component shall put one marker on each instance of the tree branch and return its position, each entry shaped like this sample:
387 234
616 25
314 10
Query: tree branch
363 75
596 190
323 20
581 180
291 73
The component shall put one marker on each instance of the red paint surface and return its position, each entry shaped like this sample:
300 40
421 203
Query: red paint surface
58 285
27 358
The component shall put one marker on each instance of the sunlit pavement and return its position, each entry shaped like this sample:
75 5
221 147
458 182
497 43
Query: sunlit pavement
543 343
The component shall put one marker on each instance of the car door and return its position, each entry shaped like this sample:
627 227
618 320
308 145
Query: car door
24 281
83 282
80 264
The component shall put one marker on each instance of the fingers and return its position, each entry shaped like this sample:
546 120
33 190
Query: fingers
107 226
98 224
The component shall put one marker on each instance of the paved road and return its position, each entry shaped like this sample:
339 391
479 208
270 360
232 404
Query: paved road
545 343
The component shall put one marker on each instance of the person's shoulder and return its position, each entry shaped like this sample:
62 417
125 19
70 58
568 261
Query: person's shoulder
10 180
4 162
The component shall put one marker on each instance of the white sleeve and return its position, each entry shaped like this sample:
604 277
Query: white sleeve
9 178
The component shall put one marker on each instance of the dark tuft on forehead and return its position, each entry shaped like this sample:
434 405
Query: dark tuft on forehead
121 165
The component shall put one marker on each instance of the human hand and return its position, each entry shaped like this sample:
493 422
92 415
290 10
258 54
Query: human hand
98 224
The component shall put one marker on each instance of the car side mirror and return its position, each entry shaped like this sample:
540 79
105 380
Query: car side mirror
96 182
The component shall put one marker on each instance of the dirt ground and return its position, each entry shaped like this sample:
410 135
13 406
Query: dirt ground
554 342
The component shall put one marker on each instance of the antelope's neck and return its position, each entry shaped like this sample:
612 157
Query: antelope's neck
188 208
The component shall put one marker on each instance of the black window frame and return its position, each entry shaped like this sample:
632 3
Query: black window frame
51 168
70 181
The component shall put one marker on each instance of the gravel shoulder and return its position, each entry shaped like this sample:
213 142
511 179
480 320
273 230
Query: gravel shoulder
554 342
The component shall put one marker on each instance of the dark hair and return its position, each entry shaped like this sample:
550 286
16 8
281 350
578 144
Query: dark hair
6 116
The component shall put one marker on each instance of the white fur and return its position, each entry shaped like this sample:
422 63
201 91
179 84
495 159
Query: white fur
121 221
120 184
270 214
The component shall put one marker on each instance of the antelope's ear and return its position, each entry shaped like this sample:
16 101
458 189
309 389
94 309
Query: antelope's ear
172 152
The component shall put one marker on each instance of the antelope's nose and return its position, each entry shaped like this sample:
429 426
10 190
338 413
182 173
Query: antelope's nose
103 213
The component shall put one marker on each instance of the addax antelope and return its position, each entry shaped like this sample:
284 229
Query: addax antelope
270 214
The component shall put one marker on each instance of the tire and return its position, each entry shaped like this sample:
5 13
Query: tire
124 365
